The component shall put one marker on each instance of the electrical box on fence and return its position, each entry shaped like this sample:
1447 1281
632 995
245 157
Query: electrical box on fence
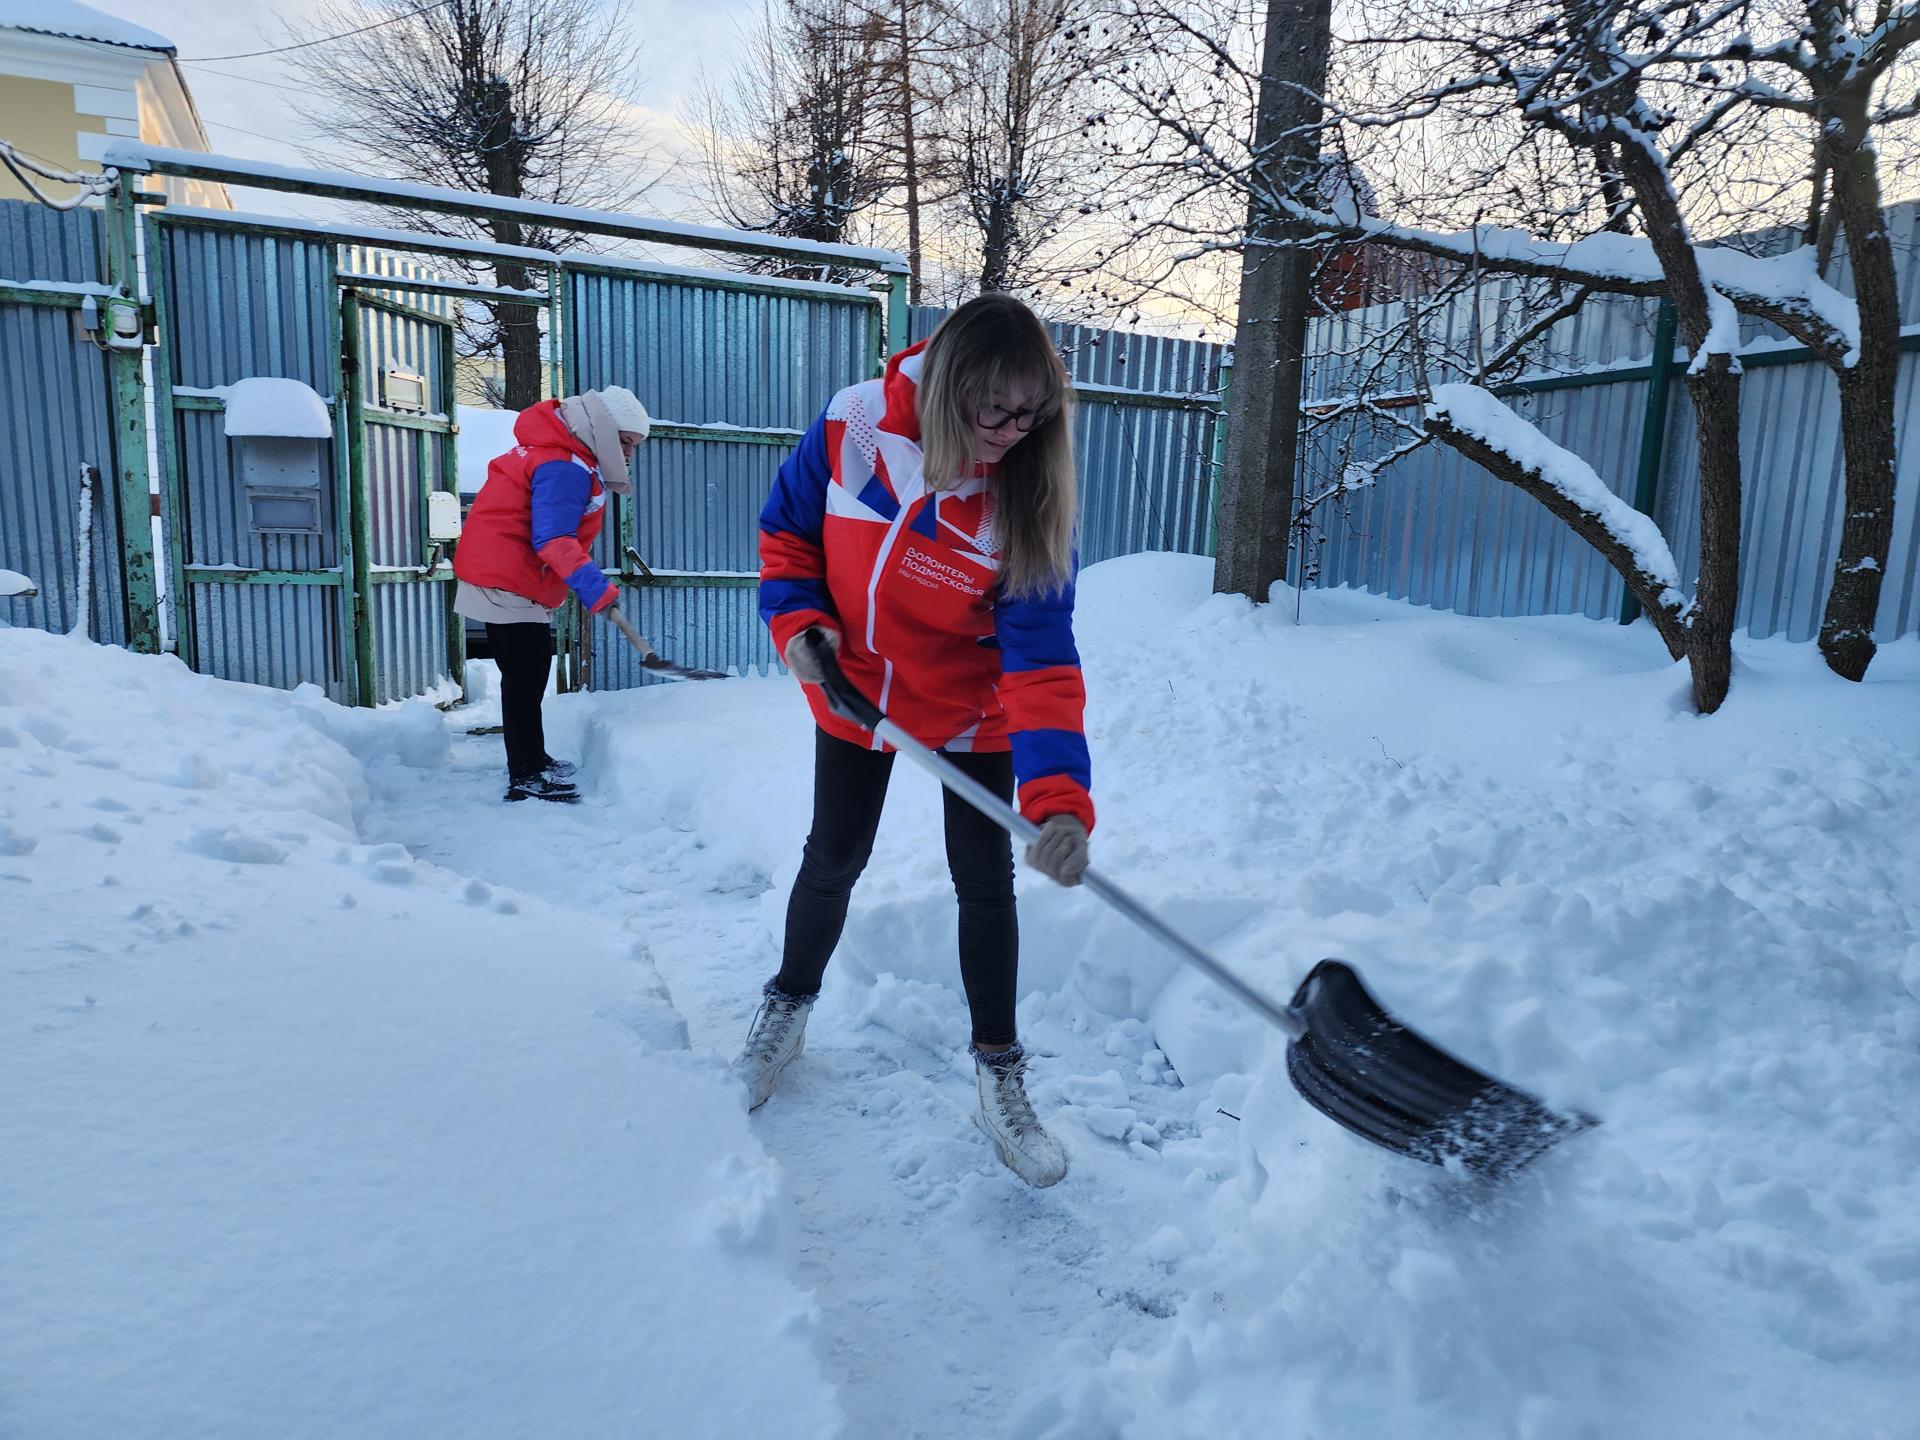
443 516
403 390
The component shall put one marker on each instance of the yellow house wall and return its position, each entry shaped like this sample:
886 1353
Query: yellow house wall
38 116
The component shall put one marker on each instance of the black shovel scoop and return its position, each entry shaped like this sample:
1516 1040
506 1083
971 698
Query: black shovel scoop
1347 1056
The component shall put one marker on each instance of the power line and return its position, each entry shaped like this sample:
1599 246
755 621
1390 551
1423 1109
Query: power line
223 125
279 85
324 39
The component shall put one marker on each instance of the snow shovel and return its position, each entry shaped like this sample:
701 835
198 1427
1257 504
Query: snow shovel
654 662
1347 1056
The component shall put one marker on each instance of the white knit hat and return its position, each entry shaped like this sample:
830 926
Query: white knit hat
627 411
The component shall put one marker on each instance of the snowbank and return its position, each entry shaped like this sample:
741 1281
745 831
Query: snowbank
484 436
305 1136
418 1161
1706 931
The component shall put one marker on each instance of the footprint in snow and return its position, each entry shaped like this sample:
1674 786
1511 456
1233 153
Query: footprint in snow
224 842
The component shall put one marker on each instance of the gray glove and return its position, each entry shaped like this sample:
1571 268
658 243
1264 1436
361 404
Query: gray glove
800 659
1060 851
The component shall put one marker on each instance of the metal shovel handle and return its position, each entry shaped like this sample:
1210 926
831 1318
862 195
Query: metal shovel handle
847 701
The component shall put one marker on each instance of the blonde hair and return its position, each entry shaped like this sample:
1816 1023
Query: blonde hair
985 348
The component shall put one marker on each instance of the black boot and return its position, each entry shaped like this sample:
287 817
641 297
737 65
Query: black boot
541 786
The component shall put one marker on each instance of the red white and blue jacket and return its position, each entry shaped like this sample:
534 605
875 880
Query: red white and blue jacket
536 517
853 537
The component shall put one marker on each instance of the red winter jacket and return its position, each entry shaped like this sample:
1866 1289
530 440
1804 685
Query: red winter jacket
534 522
852 536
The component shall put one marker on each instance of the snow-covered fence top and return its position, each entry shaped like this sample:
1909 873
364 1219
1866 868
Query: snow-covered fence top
133 155
1347 349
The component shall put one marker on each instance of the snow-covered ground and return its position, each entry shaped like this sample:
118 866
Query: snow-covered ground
343 1099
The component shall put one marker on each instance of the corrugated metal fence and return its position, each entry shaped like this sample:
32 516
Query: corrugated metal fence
733 369
1437 530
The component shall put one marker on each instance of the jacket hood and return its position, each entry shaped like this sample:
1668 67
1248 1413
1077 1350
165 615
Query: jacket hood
541 428
901 388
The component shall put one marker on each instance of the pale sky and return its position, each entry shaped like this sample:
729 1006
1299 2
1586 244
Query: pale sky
244 106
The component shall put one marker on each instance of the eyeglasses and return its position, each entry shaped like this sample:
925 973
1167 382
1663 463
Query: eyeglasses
993 417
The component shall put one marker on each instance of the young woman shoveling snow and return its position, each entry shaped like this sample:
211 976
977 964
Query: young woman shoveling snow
923 531
527 546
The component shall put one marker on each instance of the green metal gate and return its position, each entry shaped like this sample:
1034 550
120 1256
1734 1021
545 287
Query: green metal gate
397 374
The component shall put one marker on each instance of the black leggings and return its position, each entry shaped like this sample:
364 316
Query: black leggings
849 788
524 653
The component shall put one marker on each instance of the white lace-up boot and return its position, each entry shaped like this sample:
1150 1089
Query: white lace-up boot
778 1036
1007 1116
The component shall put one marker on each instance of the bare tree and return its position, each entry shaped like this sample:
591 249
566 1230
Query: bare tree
914 83
1831 63
792 133
1011 136
1579 127
520 98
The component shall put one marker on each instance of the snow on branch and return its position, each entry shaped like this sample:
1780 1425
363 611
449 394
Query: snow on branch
1472 421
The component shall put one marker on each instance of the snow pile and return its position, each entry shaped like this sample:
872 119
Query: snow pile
271 405
484 436
12 582
305 1136
1703 930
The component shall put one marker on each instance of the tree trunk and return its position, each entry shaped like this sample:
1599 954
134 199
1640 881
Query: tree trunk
1270 336
911 157
1867 393
1716 408
996 241
519 340
504 155
1714 384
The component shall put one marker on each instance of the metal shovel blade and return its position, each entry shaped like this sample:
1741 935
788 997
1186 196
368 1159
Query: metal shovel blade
1366 1071
657 664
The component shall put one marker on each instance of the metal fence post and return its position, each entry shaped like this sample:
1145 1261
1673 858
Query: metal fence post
130 422
166 425
568 621
559 333
899 321
1217 461
450 480
360 530
1653 432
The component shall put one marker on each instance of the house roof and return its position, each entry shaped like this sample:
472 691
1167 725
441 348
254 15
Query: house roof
79 22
